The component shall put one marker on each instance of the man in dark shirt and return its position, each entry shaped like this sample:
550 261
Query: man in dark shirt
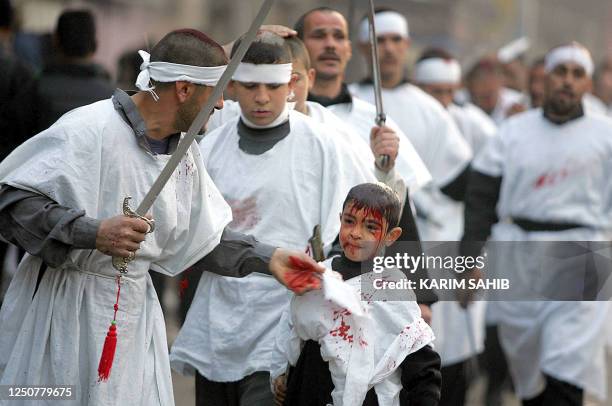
72 79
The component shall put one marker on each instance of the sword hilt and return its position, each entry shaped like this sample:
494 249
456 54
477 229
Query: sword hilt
382 161
120 263
316 243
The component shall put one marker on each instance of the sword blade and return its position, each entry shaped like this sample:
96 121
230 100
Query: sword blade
204 113
380 114
381 118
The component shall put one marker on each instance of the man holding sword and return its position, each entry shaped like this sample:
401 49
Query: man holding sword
59 199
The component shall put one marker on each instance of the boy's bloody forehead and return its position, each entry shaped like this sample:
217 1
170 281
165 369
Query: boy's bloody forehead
355 206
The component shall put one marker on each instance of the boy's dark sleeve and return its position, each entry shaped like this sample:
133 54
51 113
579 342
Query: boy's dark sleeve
421 378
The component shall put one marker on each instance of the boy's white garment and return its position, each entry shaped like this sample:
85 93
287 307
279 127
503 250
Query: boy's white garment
90 160
278 197
341 294
317 112
360 116
354 142
427 125
554 173
362 352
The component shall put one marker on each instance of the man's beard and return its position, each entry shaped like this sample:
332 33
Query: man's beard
562 108
559 111
323 76
185 115
387 75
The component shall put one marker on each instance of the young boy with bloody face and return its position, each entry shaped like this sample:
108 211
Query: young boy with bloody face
367 225
333 356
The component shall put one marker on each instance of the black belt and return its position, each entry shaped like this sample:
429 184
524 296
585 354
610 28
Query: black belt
530 225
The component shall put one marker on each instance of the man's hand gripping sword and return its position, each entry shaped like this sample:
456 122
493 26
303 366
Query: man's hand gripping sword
120 263
382 161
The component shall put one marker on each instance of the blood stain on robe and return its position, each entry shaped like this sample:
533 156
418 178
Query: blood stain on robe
343 330
245 213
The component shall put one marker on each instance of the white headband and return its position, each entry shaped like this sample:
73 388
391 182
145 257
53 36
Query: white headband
513 50
386 22
263 73
174 72
437 70
569 53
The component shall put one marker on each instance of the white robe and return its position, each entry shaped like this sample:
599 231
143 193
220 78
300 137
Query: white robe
278 197
444 220
427 125
90 160
340 129
507 98
594 105
355 144
551 173
362 150
230 110
360 117
451 324
475 126
367 351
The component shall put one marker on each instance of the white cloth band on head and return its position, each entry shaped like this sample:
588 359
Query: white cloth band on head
263 73
386 22
569 53
174 72
437 70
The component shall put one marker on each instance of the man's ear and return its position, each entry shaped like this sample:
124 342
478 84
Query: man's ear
311 74
184 90
393 235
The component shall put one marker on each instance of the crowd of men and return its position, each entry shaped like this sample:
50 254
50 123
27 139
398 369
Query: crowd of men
500 152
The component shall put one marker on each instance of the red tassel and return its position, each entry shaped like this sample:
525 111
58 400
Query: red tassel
110 343
108 353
